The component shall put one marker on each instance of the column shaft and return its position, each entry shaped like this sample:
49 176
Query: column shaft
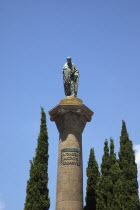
70 120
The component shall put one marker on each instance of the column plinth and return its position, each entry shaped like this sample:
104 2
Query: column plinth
70 117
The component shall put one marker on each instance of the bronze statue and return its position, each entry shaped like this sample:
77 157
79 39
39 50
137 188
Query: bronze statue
70 78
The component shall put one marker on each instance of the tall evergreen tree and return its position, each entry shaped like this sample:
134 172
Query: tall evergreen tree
37 193
105 183
109 186
128 168
93 175
139 206
116 184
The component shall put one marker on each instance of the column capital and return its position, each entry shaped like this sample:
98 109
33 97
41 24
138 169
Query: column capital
71 104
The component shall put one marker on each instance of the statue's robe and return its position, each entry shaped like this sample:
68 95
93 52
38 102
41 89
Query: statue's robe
70 79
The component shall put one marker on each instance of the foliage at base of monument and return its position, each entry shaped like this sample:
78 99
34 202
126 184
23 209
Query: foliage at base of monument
130 199
117 188
93 175
104 185
116 183
109 186
139 205
37 193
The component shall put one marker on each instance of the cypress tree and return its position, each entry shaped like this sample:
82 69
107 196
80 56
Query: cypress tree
37 193
116 184
105 183
93 175
128 168
109 186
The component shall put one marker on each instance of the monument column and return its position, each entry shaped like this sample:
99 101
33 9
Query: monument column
70 116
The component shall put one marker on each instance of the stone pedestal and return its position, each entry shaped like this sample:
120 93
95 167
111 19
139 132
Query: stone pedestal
70 117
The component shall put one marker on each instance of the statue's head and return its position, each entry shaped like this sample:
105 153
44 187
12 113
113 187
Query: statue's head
68 59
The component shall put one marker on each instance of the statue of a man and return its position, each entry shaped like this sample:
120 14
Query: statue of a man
70 78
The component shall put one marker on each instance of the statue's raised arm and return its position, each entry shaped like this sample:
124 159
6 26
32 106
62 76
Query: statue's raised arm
70 78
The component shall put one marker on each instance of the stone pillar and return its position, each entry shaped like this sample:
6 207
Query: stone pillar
70 117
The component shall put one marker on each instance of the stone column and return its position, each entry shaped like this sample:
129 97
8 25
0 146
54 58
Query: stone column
70 117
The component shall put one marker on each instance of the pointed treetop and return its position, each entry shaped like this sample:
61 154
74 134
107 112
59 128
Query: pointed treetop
124 129
111 146
42 109
93 175
124 138
91 153
106 149
105 165
92 161
43 120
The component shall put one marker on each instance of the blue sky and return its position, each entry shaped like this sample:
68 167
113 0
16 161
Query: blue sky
103 38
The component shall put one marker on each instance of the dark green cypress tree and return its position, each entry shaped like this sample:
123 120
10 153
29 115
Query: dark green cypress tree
139 206
37 193
105 183
109 186
128 168
93 175
116 184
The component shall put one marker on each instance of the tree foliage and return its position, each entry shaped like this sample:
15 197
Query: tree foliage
116 184
128 168
105 183
92 180
117 188
109 186
37 193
